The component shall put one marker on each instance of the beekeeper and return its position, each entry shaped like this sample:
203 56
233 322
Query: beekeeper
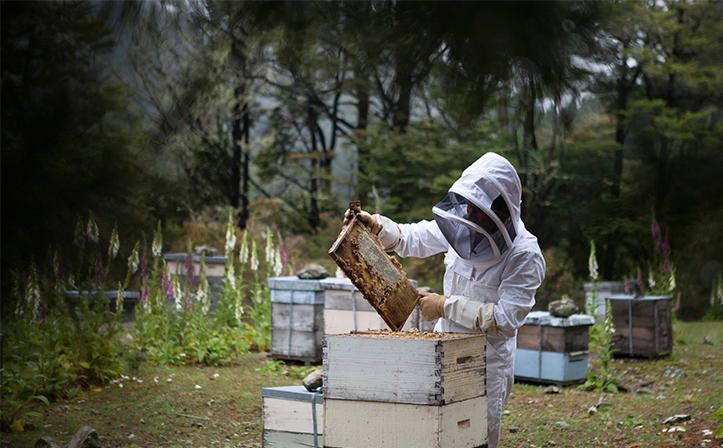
493 266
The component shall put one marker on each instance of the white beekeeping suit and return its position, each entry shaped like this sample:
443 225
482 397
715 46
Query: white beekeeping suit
493 266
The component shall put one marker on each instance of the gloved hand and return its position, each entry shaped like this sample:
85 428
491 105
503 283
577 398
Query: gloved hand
368 220
431 305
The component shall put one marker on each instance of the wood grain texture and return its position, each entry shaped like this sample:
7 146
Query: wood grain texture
413 371
554 339
650 322
365 424
378 276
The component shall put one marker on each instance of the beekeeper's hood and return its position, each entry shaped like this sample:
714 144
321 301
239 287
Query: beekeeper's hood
467 215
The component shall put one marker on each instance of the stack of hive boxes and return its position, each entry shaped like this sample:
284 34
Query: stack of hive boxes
405 389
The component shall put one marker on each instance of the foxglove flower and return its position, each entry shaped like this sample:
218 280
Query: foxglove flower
230 237
254 257
592 263
114 243
269 248
92 230
243 255
177 293
157 241
133 260
654 228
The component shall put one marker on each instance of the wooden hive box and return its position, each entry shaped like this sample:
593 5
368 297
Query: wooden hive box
403 389
346 310
379 277
297 319
292 416
643 325
553 349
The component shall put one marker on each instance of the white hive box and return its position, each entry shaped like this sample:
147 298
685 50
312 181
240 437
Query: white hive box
603 290
553 349
292 416
346 310
302 311
386 389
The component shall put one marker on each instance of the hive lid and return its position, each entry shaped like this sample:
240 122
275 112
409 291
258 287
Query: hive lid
544 318
379 277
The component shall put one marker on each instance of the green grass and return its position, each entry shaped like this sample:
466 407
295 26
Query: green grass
229 406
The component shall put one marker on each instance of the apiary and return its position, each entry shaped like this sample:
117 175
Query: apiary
643 325
401 389
292 416
553 349
379 277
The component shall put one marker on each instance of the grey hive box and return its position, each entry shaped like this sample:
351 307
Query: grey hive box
303 311
402 390
292 416
553 350
643 325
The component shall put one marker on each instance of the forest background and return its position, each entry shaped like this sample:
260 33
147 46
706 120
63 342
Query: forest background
280 113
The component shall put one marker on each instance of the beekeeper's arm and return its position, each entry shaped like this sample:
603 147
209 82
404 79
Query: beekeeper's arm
520 279
420 240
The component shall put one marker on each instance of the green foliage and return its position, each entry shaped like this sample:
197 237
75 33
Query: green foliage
718 416
601 342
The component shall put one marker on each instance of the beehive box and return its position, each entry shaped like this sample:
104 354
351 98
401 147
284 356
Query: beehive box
312 308
297 319
379 277
553 349
418 389
292 416
346 310
643 325
603 290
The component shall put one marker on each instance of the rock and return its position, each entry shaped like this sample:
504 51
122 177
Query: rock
514 429
561 425
552 390
63 408
313 380
162 439
562 308
86 437
313 271
49 442
708 340
672 372
677 418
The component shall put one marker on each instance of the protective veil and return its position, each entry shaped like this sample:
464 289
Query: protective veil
493 267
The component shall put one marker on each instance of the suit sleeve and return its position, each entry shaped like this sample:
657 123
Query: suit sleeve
422 239
520 280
